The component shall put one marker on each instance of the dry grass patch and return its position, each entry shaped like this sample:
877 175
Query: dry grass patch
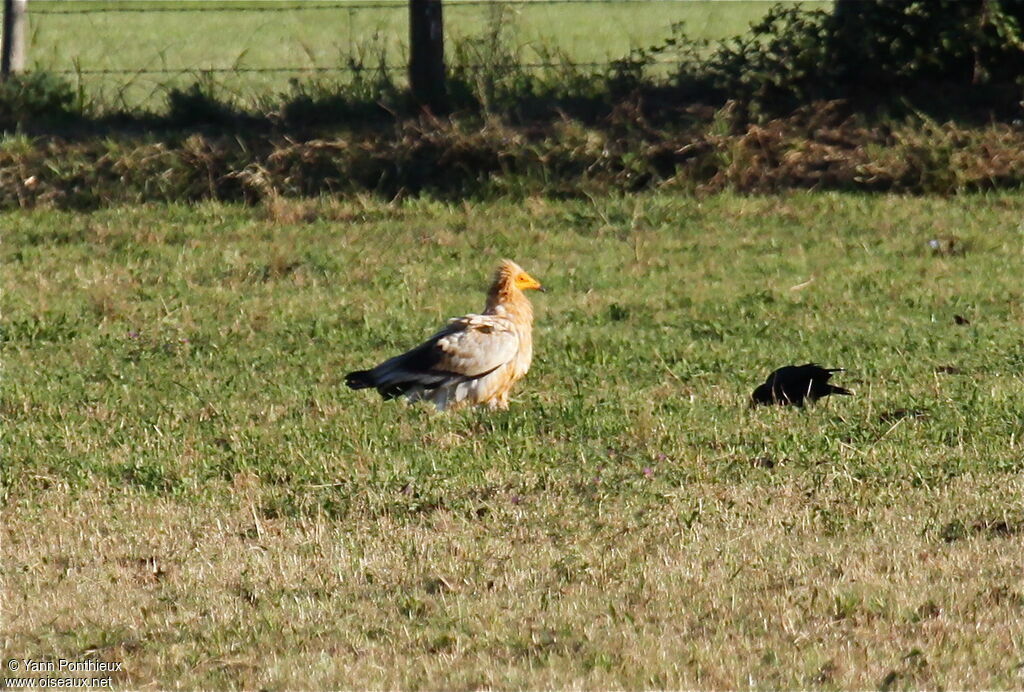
710 585
818 147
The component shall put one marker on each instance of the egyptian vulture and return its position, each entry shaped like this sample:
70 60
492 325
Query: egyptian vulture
473 360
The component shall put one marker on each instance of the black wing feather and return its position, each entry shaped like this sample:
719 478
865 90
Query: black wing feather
795 384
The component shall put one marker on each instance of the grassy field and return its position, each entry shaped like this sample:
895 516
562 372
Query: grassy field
189 488
184 43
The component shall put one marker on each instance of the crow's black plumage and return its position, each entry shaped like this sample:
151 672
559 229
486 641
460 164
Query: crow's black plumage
794 384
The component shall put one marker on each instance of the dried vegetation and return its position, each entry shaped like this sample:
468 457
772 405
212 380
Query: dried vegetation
819 147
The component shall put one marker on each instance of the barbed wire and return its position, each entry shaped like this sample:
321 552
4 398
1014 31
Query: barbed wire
229 70
305 7
226 8
342 68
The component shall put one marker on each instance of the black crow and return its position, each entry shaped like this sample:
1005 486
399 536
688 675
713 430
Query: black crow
794 384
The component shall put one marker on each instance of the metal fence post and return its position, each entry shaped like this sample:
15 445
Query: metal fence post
426 54
12 48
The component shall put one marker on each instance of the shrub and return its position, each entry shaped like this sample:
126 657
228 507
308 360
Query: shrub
934 54
34 96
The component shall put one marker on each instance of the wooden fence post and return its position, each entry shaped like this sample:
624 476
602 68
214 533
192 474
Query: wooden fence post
426 54
12 43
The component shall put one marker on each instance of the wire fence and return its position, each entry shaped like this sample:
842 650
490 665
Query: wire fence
342 68
88 38
207 6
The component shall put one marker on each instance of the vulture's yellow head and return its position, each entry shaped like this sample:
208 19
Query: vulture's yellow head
511 275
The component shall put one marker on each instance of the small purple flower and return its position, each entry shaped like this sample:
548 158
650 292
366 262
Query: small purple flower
133 335
515 499
649 472
662 456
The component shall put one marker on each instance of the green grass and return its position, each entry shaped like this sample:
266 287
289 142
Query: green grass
189 487
189 42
